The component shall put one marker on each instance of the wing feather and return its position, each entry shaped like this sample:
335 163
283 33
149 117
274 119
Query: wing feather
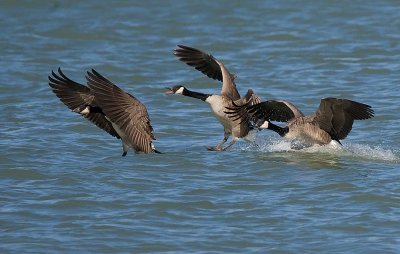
77 97
200 60
124 110
211 67
336 116
271 110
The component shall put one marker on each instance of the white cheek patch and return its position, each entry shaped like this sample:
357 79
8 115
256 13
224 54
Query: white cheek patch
264 125
180 90
85 111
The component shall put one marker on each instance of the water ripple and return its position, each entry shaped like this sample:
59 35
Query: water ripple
65 187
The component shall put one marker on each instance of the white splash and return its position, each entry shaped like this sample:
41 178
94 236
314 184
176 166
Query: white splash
354 150
371 153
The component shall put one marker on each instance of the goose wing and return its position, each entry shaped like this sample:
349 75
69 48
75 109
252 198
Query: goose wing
275 110
251 98
76 97
123 110
271 110
336 116
210 66
200 60
248 100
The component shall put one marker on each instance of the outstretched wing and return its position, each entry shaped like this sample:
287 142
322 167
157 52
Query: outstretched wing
275 110
211 67
124 110
271 110
77 97
336 116
199 60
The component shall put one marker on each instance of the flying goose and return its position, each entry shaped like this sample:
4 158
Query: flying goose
333 120
108 107
214 69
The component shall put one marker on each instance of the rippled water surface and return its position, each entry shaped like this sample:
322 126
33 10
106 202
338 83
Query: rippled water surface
64 187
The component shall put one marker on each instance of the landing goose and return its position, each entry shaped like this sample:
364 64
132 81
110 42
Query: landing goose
108 107
215 69
333 120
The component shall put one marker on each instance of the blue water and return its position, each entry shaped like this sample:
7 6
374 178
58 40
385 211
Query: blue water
64 187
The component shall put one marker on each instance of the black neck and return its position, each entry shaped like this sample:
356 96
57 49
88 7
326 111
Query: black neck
96 110
196 95
281 131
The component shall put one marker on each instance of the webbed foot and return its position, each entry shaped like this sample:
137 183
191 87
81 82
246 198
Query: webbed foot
215 148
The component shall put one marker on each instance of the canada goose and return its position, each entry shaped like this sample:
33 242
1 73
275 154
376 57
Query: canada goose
109 107
214 69
333 120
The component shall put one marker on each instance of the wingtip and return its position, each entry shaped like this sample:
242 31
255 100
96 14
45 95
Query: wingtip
158 152
178 47
182 46
91 74
186 49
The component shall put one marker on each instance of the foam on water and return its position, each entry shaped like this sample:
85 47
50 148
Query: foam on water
348 149
371 153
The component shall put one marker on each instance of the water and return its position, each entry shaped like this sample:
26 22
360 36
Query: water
64 187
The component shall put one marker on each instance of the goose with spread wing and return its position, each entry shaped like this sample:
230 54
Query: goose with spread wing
107 106
333 119
216 70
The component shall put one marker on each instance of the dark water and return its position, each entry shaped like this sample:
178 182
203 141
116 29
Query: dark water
64 187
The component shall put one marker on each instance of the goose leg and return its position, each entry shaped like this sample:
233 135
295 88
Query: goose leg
219 146
125 148
230 144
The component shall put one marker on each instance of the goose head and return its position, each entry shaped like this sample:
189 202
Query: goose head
178 89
